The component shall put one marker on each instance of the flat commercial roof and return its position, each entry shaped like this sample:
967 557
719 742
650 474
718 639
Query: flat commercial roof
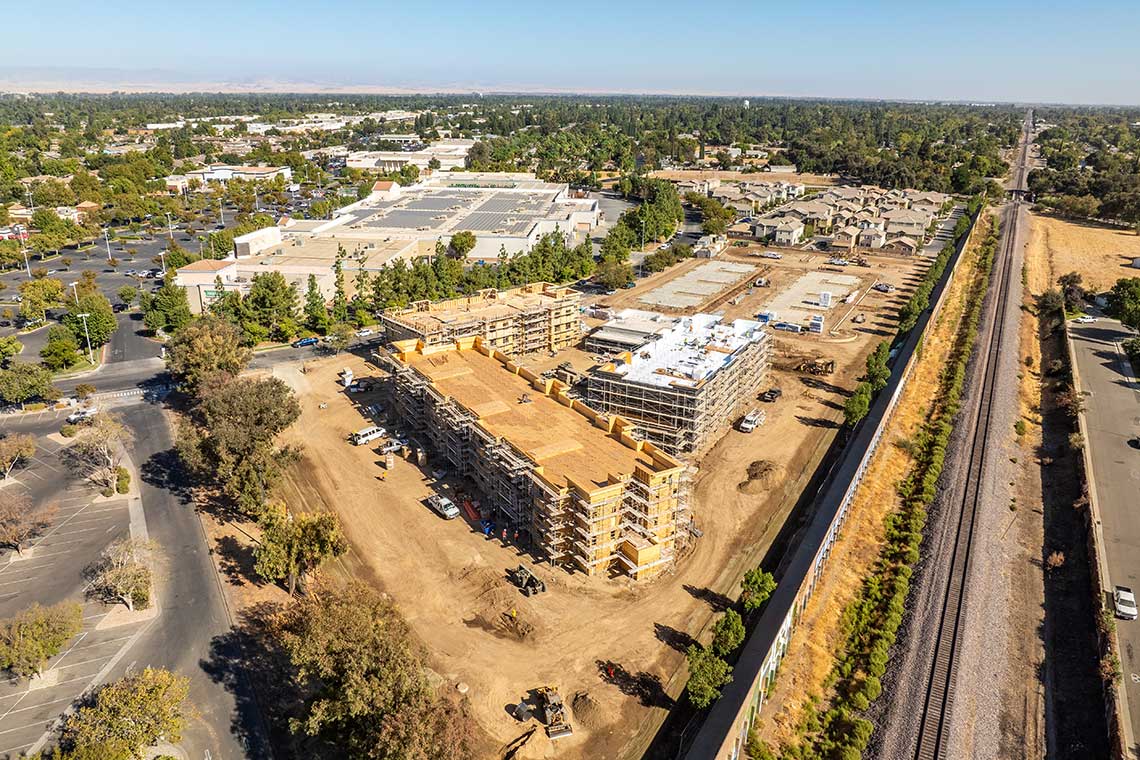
690 352
512 208
563 441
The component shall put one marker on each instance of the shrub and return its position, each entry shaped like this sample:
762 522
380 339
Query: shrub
68 430
84 391
107 492
1019 427
122 480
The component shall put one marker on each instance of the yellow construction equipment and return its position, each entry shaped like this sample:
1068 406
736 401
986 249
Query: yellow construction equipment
554 712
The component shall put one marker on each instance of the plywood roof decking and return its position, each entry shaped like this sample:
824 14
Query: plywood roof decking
504 306
560 439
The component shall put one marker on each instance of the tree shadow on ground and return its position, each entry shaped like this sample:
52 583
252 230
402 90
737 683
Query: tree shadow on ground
819 422
818 384
673 638
249 662
165 470
646 687
717 601
236 562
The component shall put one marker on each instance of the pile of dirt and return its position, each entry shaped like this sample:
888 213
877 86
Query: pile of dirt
587 711
758 477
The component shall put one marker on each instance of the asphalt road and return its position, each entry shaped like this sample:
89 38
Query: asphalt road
1112 415
193 608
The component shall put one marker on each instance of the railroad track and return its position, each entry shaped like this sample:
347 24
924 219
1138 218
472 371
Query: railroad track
933 728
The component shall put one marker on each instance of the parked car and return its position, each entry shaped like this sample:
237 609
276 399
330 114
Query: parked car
443 506
363 333
1124 602
772 394
310 341
1085 320
771 255
119 308
81 415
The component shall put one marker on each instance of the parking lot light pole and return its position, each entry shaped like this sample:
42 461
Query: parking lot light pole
169 226
75 291
107 240
162 258
90 353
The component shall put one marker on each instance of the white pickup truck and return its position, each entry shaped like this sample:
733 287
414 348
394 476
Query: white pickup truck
751 421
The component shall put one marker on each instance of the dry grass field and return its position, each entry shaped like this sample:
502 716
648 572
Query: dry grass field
1102 255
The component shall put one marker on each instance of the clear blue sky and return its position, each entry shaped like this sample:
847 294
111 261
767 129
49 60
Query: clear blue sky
1001 50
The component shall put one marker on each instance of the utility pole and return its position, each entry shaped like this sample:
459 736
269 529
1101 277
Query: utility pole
90 353
24 250
75 291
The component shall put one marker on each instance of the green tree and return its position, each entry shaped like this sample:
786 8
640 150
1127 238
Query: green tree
614 274
24 381
316 312
61 350
756 586
273 303
127 717
461 243
168 310
363 681
231 438
101 323
340 302
728 633
292 546
878 373
858 405
34 636
127 294
9 347
205 350
708 674
1124 302
39 295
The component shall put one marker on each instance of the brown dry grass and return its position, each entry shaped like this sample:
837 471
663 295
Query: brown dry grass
1101 254
811 653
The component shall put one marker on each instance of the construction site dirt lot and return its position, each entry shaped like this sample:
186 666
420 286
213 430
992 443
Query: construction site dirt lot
1102 255
614 648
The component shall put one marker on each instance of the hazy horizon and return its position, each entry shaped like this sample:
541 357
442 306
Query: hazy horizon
1010 51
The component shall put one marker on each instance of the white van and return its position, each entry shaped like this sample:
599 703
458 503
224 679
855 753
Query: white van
361 437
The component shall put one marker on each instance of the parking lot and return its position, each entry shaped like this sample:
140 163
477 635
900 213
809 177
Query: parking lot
49 571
